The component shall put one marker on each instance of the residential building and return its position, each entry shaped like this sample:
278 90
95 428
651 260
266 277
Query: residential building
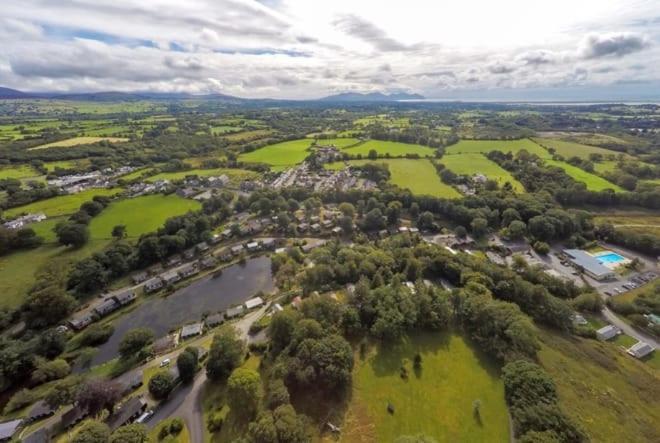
214 320
607 332
235 312
40 410
73 416
81 321
640 349
8 429
188 270
153 284
139 277
107 307
170 277
125 297
254 303
126 413
191 330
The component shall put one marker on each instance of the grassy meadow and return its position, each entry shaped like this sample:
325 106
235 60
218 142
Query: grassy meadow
435 401
572 149
593 182
485 146
391 148
17 172
280 154
417 175
340 143
470 164
60 205
610 394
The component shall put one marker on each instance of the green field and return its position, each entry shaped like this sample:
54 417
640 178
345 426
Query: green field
280 154
571 149
340 143
614 397
75 141
234 175
435 402
131 212
605 166
470 164
419 176
219 130
67 164
17 172
60 205
593 182
394 149
484 146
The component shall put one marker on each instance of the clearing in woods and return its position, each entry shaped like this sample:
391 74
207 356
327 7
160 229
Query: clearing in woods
471 164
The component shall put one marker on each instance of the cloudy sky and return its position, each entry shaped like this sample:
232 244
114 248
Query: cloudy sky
471 49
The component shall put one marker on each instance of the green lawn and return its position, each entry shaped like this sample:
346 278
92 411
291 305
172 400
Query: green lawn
605 166
436 401
60 205
614 397
17 172
593 182
182 437
340 143
571 149
470 164
417 175
218 130
67 164
234 174
392 148
131 212
484 146
280 154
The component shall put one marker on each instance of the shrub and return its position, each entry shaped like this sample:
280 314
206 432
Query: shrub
161 384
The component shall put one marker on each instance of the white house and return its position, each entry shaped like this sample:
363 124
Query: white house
640 349
254 303
607 332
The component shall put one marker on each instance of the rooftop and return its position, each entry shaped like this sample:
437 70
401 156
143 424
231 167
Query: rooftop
587 261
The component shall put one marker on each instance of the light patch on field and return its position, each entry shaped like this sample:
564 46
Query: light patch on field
17 172
394 149
471 164
76 141
234 175
571 149
593 182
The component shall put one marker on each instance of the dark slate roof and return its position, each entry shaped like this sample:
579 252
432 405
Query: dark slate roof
39 410
587 261
129 410
39 436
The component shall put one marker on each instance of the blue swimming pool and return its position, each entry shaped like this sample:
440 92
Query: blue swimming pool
608 258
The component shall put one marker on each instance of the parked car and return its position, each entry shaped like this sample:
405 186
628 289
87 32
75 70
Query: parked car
145 417
165 362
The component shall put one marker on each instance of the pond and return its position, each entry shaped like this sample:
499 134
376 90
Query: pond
206 295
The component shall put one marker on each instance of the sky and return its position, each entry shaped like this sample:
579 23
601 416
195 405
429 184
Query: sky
305 49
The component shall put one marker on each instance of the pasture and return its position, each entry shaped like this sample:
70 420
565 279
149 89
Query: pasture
340 143
419 176
131 212
76 141
280 154
435 401
471 164
17 172
485 146
572 149
610 394
235 175
394 149
60 205
593 182
67 164
220 130
642 223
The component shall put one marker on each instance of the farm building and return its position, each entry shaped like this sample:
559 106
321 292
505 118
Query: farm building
254 303
589 264
607 332
8 429
191 330
153 284
640 349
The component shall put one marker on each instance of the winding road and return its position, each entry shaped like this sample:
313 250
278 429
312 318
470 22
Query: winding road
629 330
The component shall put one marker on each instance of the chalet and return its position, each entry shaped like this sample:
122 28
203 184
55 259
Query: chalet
215 239
188 270
208 262
252 246
81 321
164 344
327 224
188 254
277 307
214 320
640 349
155 269
125 297
579 320
607 332
254 303
314 219
191 330
170 277
337 230
153 284
186 192
237 250
40 410
73 416
268 244
413 230
107 307
38 436
132 381
227 254
139 277
202 247
8 429
226 233
235 312
174 260
126 413
218 182
316 228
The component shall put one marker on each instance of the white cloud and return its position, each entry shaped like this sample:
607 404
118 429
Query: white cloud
306 49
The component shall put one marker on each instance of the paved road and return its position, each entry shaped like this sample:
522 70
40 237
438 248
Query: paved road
186 401
629 330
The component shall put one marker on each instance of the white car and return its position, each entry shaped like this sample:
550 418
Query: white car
165 362
145 417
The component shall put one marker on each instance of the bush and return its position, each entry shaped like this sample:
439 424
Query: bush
161 384
216 421
589 302
586 332
96 334
176 426
20 400
541 247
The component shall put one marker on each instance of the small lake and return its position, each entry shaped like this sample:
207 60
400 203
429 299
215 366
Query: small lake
206 295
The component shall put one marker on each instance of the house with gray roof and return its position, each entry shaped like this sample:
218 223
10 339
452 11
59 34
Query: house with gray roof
640 349
607 332
589 264
108 306
191 330
170 277
235 312
126 413
125 297
153 284
8 429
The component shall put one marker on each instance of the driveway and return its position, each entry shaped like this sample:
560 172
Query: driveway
186 401
629 330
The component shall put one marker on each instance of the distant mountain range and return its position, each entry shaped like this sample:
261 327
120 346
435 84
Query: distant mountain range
114 96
